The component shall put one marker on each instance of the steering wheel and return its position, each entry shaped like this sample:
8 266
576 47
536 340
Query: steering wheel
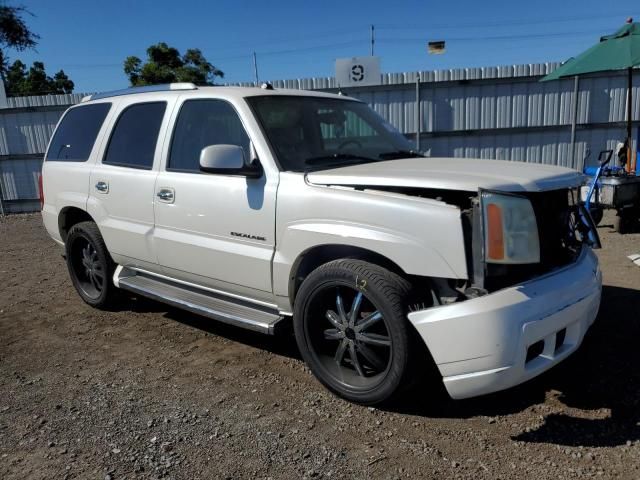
348 142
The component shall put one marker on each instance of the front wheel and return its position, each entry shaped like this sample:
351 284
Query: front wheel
351 328
90 265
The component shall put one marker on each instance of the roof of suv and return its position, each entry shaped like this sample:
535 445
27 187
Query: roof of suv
189 88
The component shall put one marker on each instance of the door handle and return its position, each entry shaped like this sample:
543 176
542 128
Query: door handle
102 187
166 195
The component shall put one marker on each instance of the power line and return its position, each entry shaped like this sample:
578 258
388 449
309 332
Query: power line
337 45
423 27
248 55
500 23
491 37
309 49
288 39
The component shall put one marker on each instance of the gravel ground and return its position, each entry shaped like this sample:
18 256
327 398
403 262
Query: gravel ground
152 392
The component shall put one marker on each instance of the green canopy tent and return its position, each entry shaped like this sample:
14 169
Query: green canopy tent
620 51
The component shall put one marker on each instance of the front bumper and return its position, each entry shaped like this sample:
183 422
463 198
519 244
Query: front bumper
480 345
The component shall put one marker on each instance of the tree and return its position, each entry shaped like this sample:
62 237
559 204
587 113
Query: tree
165 65
14 33
62 83
35 81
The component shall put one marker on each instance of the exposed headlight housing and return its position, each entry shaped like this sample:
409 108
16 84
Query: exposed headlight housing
510 229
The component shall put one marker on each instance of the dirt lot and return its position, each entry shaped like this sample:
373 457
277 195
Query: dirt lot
149 392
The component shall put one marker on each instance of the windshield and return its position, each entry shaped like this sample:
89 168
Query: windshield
311 133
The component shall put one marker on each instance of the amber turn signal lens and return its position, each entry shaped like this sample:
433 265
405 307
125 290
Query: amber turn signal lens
495 233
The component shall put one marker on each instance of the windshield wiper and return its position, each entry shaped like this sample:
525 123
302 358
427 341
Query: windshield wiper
337 157
400 154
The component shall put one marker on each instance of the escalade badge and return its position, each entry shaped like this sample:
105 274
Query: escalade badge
249 236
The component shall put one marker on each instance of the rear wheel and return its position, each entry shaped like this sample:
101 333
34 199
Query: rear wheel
90 265
351 329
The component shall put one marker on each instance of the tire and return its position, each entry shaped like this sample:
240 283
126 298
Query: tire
382 368
90 265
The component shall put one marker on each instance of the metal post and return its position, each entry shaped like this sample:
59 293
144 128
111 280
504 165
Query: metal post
1 205
373 41
418 115
3 95
255 68
574 121
635 163
629 120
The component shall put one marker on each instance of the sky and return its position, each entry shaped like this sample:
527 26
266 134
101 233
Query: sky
89 40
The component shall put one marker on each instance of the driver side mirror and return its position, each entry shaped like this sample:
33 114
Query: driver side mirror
227 160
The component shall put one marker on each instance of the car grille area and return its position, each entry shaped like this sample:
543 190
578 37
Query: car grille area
558 245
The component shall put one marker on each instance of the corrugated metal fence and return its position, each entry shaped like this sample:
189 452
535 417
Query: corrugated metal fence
500 112
494 112
26 125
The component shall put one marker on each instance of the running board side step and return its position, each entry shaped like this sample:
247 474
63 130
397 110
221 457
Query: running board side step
201 302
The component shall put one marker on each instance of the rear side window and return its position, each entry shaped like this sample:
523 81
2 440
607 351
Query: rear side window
77 132
202 123
134 137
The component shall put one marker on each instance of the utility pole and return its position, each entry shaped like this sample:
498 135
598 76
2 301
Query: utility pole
373 41
255 68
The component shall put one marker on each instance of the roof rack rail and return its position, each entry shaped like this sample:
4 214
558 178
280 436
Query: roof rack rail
165 87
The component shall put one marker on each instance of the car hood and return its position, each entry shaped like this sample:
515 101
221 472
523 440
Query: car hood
451 174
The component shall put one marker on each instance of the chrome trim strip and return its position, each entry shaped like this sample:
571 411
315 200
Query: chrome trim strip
200 310
206 289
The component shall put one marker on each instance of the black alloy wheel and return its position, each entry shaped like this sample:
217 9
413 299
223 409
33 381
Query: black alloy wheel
90 265
351 328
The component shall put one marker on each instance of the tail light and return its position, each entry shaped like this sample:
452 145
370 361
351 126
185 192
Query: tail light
41 191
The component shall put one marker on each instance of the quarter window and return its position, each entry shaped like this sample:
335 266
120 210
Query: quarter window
134 137
202 123
77 132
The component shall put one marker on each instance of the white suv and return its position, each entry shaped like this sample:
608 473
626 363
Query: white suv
252 206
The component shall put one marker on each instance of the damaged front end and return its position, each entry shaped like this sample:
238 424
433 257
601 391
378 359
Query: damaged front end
515 237
542 231
533 291
514 321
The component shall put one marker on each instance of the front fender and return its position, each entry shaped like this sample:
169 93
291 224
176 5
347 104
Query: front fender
422 236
